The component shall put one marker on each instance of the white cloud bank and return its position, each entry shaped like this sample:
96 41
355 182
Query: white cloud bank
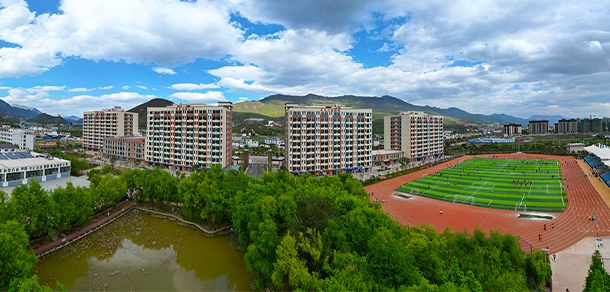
211 97
193 87
558 52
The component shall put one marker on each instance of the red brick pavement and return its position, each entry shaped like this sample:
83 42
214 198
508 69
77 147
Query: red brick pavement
570 226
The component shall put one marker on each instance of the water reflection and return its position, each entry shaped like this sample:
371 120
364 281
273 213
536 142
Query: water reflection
139 252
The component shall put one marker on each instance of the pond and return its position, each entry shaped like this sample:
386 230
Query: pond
139 252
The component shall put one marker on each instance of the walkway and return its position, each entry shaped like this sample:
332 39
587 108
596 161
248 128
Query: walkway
203 229
570 226
55 245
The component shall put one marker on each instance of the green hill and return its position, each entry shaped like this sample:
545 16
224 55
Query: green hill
141 110
273 106
45 119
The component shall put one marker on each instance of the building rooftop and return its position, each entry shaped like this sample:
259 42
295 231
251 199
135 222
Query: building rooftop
7 146
385 151
9 163
232 167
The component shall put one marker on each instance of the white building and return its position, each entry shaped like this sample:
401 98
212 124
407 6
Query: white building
328 138
21 167
183 135
416 134
250 143
274 141
23 138
107 123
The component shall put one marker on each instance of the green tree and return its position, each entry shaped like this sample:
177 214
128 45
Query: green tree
597 277
34 209
16 261
537 269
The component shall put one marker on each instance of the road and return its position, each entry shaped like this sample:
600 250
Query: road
256 169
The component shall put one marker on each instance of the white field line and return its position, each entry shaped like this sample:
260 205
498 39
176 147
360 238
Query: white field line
488 180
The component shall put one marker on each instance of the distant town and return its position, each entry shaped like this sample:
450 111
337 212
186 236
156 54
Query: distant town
320 139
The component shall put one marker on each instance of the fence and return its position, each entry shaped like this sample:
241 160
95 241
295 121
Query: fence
525 246
55 245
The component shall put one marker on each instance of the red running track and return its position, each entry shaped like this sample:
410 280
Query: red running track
571 226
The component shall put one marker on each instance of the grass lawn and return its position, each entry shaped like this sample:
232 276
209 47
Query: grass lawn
512 184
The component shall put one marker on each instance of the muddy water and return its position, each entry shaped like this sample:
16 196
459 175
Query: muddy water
139 252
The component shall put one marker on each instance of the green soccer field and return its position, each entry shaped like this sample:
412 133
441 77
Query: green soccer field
511 184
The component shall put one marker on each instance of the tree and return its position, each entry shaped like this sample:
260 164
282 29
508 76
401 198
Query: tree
537 269
597 277
16 261
289 269
34 209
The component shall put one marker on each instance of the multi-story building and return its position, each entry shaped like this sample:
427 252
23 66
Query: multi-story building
416 134
566 126
538 127
597 125
23 138
107 123
512 129
124 147
327 138
583 125
22 167
381 157
185 135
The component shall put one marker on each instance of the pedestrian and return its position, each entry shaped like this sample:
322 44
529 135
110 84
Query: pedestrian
553 226
538 236
441 212
544 227
554 257
108 214
601 243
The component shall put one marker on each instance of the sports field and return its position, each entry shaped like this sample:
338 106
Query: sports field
512 184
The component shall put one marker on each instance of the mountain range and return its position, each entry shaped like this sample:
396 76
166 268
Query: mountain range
45 119
16 111
273 106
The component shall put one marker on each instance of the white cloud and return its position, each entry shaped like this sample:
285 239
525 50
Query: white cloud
210 97
83 89
79 89
243 98
558 51
17 62
15 15
164 32
141 87
162 70
126 87
191 86
81 103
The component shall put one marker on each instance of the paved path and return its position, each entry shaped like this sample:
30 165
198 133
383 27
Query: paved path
570 226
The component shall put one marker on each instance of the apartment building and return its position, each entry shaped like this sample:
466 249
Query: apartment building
124 147
184 135
566 126
512 129
416 134
538 127
23 138
107 123
327 139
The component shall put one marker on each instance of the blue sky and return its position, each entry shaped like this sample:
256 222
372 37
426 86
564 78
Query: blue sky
518 58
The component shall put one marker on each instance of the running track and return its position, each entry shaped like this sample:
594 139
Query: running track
571 226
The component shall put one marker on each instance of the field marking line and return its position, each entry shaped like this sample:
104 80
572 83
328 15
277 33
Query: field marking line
488 179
